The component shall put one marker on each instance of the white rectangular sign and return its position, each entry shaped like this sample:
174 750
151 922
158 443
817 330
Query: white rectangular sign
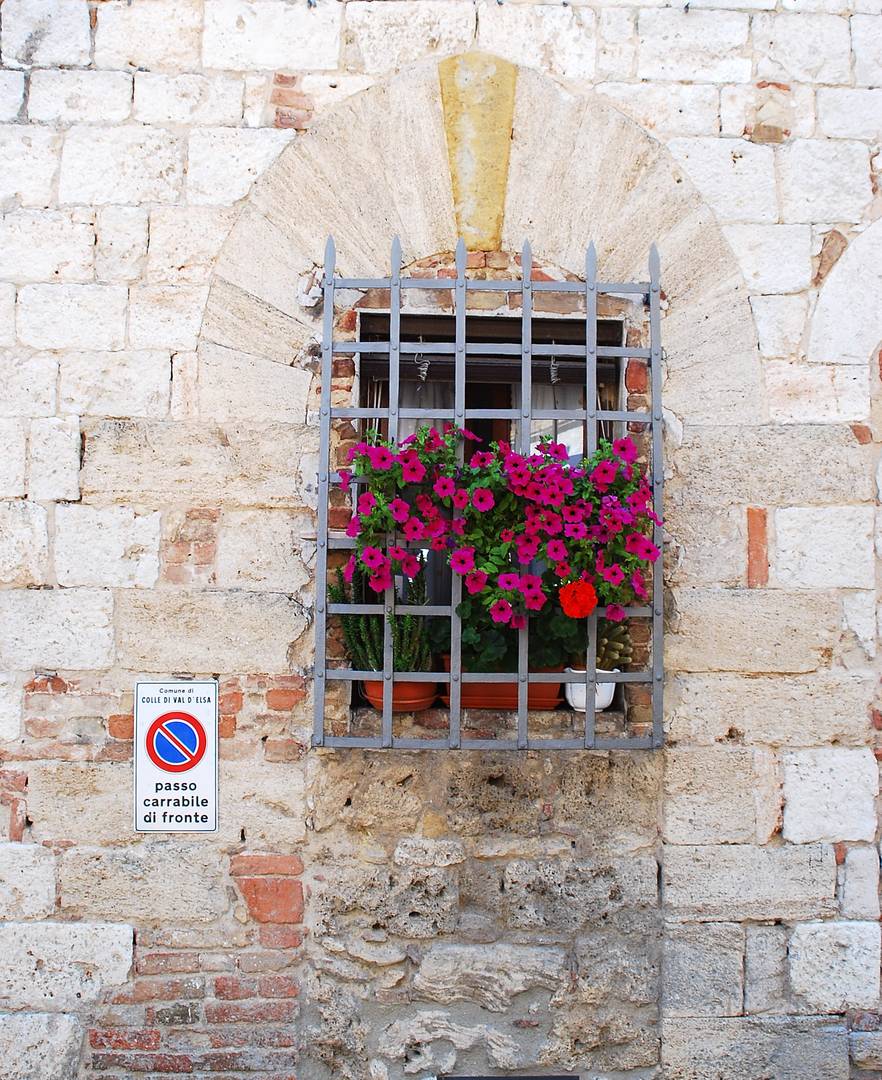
176 756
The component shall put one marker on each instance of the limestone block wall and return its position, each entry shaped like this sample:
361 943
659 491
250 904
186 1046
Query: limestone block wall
169 170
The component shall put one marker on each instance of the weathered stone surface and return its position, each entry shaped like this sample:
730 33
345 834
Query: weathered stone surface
223 163
265 803
824 547
830 794
745 882
62 965
13 454
11 94
54 458
244 464
187 99
7 314
72 316
702 970
236 386
24 543
736 178
10 707
411 901
49 245
161 34
780 321
224 631
700 45
817 393
724 466
867 49
419 851
765 970
670 109
790 631
27 881
794 711
113 164
414 1038
712 548
860 893
773 258
111 546
866 1049
53 628
386 38
166 316
45 32
122 243
40 1046
488 975
733 1049
255 34
824 180
834 966
115 384
264 550
70 97
796 47
850 114
184 242
720 796
558 39
143 884
78 802
28 163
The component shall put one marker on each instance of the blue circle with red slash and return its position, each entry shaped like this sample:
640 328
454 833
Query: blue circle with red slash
176 742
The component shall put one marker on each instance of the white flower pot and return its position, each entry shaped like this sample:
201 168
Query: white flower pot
576 692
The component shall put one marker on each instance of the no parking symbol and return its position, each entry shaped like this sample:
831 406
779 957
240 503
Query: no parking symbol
176 756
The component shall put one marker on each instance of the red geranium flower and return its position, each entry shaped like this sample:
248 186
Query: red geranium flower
578 599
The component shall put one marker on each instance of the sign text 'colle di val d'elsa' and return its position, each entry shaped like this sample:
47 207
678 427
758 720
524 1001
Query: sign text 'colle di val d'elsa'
176 787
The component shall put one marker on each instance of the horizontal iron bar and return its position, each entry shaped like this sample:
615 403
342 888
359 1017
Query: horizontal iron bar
373 742
493 414
533 677
630 287
448 348
352 675
378 609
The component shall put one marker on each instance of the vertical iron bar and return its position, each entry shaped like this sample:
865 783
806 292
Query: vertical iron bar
658 474
525 440
459 377
321 569
394 357
591 433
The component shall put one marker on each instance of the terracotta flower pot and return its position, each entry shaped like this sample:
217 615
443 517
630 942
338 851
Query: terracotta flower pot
503 696
407 696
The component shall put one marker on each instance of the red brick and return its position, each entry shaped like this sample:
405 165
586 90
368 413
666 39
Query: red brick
231 701
17 818
250 1012
757 548
280 937
121 726
161 990
231 988
13 780
47 684
124 1039
840 851
283 700
282 748
226 726
876 718
167 963
862 433
155 1063
278 986
253 865
636 377
273 899
281 79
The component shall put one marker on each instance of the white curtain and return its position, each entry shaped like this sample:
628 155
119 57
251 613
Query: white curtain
430 394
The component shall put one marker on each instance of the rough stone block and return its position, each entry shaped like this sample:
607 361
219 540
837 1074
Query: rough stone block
824 180
207 631
40 1046
223 163
780 321
62 965
773 258
7 314
736 178
109 546
122 243
140 462
765 970
705 46
78 801
236 386
10 707
27 881
42 33
48 245
28 163
115 383
13 454
144 883
264 550
834 966
128 164
825 547
867 47
702 969
51 628
817 393
669 109
562 40
165 316
246 35
187 99
720 796
789 632
54 458
734 1049
746 882
830 794
153 34
24 543
850 114
28 384
72 316
71 97
712 548
185 241
796 47
866 1049
487 975
795 711
11 94
860 894
617 43
266 803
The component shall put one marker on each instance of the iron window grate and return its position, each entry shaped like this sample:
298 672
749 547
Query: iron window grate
460 287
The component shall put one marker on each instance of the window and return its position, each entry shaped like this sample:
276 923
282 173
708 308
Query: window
515 354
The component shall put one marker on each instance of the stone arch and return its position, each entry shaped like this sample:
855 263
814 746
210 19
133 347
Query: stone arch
846 325
476 146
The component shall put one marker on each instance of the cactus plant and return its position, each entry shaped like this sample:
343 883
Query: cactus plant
614 648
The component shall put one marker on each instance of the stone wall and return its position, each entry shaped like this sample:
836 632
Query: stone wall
169 170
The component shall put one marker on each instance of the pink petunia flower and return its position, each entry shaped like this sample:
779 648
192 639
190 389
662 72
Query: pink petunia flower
507 535
614 574
410 566
380 582
518 620
475 581
638 584
501 611
438 543
372 558
462 561
508 582
413 471
563 569
556 550
349 570
460 498
534 600
380 457
353 529
603 475
576 530
444 487
625 449
529 582
413 529
345 479
397 553
481 459
482 499
615 612
399 510
366 503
